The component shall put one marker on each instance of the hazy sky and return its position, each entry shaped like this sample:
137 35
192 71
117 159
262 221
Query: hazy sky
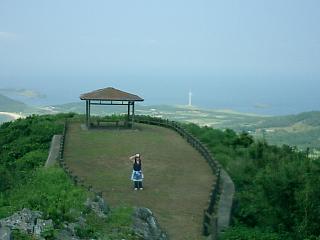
140 45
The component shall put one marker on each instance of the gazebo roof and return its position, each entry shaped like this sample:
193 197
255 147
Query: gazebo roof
110 94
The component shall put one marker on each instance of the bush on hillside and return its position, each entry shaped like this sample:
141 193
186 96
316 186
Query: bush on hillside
277 187
244 233
25 184
51 192
24 147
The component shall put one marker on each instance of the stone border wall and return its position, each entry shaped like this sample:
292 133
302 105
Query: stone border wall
54 151
226 202
216 217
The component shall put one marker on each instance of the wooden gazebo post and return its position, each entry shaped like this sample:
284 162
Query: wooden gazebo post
87 111
110 96
128 117
132 113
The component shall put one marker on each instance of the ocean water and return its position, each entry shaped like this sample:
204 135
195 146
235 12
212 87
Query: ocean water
4 118
265 95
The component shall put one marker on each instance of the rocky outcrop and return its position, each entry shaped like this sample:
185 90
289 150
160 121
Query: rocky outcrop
27 221
66 235
98 205
5 233
31 222
69 231
146 226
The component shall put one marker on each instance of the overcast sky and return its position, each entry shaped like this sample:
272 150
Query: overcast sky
133 44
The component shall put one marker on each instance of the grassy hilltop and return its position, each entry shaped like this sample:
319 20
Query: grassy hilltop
177 178
277 188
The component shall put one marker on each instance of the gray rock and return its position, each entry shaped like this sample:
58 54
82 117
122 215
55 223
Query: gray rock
81 221
98 205
42 225
23 220
5 233
146 226
69 230
28 221
66 235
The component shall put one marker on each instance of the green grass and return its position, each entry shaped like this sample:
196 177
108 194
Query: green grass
177 178
53 193
116 226
24 183
20 235
49 191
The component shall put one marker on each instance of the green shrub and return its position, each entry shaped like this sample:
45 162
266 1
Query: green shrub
277 187
116 226
16 234
24 146
244 233
52 192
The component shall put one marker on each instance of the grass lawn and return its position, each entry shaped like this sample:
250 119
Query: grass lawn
177 179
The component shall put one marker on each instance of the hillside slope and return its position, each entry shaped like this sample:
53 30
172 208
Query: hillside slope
10 105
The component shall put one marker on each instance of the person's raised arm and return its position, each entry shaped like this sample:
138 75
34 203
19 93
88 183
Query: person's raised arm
132 158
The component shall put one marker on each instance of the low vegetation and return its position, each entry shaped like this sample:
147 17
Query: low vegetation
24 183
277 187
24 148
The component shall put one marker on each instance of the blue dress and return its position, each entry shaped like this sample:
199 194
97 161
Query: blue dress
137 175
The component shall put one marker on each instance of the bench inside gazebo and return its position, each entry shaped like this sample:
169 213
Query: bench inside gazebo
110 96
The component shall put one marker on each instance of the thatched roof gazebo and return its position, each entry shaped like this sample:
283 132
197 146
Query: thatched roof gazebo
110 96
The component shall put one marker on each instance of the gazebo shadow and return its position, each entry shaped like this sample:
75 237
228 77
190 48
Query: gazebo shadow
110 124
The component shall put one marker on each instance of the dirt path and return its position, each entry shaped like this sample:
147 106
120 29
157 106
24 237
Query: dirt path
177 178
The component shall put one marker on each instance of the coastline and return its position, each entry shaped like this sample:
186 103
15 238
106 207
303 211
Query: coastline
14 116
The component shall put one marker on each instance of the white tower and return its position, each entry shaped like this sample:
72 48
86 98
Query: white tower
190 98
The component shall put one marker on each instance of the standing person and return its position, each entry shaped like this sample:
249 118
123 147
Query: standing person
137 175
